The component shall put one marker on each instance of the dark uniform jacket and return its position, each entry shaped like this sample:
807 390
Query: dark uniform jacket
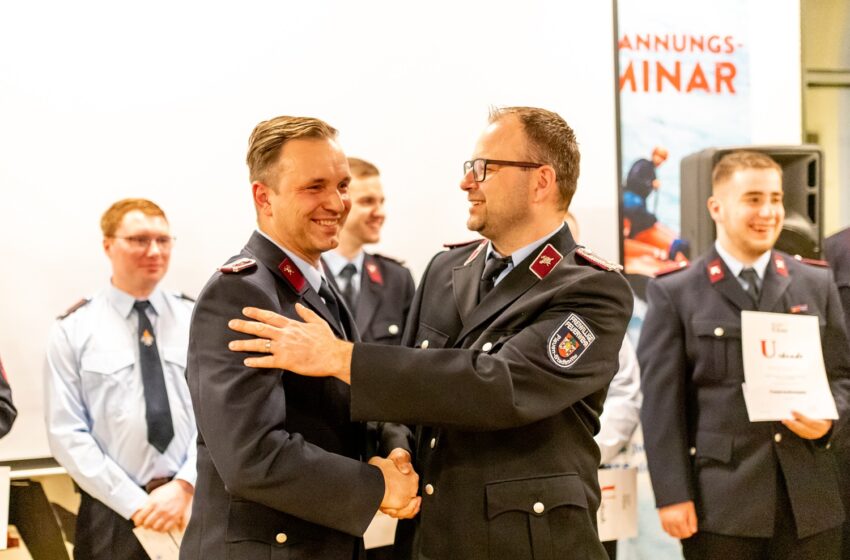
700 444
279 470
837 253
8 412
383 302
512 388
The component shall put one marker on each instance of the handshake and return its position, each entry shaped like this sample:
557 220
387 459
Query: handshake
401 484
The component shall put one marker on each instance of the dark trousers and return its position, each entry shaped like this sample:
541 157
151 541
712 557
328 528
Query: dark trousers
784 545
102 534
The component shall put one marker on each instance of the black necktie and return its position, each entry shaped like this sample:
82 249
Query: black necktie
349 293
495 265
751 278
157 411
330 302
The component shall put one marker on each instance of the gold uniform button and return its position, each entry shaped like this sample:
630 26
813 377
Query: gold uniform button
280 538
487 346
393 329
429 489
433 442
719 331
777 437
424 344
538 507
692 451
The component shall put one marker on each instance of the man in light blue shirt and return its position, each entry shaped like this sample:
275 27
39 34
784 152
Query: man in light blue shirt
119 416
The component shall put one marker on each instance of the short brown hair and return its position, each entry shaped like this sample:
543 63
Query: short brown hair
552 142
269 137
739 160
361 169
111 219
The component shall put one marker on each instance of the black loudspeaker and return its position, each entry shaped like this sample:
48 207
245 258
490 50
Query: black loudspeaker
802 181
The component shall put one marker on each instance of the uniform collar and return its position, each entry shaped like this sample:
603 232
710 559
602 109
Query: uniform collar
335 262
123 302
313 275
735 266
520 254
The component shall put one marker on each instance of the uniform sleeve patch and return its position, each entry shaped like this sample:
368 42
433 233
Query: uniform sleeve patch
569 341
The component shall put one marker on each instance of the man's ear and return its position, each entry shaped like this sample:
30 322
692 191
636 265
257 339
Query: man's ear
546 185
261 194
715 208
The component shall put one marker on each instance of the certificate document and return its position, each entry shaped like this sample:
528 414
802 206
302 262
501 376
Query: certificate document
783 367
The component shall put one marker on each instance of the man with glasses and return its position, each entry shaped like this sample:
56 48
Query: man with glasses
118 411
514 340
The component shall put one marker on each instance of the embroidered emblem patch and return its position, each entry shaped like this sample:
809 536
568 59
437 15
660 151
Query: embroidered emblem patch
374 273
147 338
802 308
715 271
781 268
570 341
545 261
292 274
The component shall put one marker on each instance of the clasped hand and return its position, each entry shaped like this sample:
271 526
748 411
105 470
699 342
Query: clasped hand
401 484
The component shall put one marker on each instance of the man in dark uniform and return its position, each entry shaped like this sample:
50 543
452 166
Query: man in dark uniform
837 253
279 469
515 340
377 289
728 487
8 412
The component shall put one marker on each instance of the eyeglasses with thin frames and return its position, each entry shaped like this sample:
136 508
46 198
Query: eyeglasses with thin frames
143 242
479 167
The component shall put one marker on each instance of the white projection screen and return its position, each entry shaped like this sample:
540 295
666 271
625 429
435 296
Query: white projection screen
105 100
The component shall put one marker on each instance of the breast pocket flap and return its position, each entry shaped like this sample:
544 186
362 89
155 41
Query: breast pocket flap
107 363
714 446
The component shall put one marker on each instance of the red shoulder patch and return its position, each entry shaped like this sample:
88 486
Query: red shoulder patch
74 307
671 268
546 261
237 265
715 271
596 260
813 262
374 272
292 274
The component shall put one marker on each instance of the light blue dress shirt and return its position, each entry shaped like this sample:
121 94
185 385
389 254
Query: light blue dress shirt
520 254
94 398
735 266
336 262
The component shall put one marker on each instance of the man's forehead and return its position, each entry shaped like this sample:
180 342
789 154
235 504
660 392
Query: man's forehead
138 220
311 155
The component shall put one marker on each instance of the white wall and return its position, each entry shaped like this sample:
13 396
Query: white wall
100 101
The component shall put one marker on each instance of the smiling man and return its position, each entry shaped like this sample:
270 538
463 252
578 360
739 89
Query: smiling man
119 417
727 487
279 461
514 341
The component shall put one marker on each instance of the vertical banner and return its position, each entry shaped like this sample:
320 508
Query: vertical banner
684 81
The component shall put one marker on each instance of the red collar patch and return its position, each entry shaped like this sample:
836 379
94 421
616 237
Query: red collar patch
545 261
476 252
374 272
715 271
781 268
292 274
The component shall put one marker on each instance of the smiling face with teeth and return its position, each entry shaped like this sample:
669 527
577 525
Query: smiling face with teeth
748 211
306 201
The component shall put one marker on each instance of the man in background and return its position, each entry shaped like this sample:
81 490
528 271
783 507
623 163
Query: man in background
377 289
118 412
726 486
8 412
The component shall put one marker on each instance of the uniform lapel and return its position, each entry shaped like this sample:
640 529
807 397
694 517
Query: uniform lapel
285 269
518 281
776 281
369 298
465 282
724 281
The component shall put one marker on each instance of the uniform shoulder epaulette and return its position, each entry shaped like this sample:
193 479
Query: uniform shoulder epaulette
237 265
185 296
813 262
671 268
461 243
73 308
386 258
596 260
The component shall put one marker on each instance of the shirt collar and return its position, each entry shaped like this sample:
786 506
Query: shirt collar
313 275
123 302
520 254
735 266
335 262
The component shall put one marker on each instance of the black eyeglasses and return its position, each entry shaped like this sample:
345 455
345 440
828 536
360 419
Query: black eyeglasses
479 167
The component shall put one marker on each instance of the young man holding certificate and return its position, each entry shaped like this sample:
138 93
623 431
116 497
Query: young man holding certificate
728 486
